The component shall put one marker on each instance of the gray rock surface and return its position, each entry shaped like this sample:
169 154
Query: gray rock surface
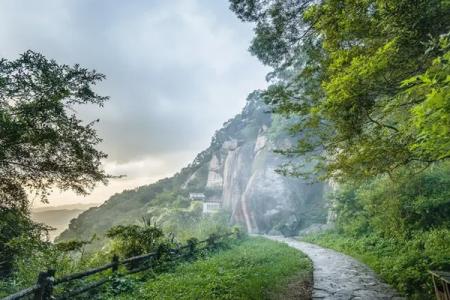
315 228
257 196
338 276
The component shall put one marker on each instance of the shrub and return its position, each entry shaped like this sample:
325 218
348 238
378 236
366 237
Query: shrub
132 240
400 228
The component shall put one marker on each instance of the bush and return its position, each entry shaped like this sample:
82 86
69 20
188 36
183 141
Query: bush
132 240
400 228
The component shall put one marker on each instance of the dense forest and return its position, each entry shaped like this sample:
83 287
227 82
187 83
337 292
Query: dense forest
369 81
359 88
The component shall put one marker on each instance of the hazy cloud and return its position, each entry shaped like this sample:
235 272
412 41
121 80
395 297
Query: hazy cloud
176 70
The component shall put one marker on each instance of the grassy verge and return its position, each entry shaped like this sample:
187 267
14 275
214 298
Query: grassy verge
401 263
255 268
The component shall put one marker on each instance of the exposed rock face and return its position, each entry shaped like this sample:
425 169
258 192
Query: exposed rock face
260 143
215 179
332 187
258 197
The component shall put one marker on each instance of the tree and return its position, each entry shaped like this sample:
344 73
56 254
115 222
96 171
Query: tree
430 117
344 67
42 142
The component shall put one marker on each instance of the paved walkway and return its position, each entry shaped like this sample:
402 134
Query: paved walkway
338 276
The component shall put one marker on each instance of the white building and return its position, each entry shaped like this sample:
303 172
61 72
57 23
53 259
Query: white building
197 196
211 207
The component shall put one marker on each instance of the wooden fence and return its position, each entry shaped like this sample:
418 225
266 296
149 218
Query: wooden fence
44 288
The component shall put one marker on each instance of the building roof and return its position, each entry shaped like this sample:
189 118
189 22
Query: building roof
197 196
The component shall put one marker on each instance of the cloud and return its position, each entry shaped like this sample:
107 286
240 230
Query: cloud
176 70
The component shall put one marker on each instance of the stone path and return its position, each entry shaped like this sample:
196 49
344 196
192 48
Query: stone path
338 276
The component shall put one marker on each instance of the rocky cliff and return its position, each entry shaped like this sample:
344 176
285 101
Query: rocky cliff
237 170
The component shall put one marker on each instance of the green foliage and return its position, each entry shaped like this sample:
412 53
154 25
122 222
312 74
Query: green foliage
414 202
132 240
372 48
42 145
191 222
164 198
121 285
368 83
250 270
431 116
18 236
401 229
124 208
34 256
72 245
370 90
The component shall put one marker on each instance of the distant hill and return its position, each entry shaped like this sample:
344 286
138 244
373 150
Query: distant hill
59 216
82 206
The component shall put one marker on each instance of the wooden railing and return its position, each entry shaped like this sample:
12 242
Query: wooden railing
441 283
44 288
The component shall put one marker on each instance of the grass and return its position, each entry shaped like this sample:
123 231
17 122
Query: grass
255 268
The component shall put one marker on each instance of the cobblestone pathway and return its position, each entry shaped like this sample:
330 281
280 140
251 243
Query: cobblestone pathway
338 276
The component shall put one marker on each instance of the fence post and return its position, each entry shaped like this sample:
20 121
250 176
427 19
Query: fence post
160 251
45 281
191 246
211 241
115 262
114 269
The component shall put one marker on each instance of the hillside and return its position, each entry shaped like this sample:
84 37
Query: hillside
237 170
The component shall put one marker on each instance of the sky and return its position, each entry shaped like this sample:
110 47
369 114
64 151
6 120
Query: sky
176 71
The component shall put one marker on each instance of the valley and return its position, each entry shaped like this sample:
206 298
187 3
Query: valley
58 217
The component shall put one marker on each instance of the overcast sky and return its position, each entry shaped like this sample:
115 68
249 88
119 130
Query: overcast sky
176 71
